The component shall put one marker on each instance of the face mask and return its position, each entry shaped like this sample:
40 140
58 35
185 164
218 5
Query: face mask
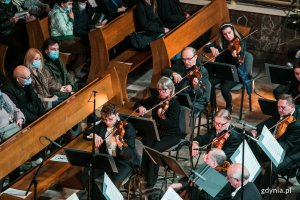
68 8
54 55
82 5
7 1
36 64
27 81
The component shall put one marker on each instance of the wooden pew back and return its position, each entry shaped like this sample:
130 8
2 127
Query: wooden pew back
53 124
3 50
38 31
210 17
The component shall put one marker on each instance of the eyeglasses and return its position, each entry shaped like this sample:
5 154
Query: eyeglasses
162 90
187 59
220 124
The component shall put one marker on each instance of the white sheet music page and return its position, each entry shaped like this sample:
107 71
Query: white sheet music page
16 192
110 191
250 160
270 146
73 197
171 195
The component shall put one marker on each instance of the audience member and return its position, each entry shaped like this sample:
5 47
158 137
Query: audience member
113 8
43 82
61 27
37 8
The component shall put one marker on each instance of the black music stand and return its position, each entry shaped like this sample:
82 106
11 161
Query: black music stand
146 128
278 74
80 158
220 71
267 106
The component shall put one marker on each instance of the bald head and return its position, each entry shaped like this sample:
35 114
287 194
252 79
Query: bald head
22 75
234 174
189 57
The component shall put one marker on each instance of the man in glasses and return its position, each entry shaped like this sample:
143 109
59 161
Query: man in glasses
222 126
184 73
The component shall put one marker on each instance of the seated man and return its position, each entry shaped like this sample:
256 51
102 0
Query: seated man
234 176
22 94
288 138
179 74
222 126
108 140
216 159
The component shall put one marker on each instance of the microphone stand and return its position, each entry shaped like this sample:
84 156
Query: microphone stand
91 172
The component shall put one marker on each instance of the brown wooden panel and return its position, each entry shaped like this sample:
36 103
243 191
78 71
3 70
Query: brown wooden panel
3 50
53 124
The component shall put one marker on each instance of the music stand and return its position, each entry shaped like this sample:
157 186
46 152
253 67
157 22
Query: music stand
278 74
146 127
267 106
220 71
83 159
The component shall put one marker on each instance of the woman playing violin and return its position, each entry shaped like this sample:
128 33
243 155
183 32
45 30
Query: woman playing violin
288 136
108 140
222 126
167 120
189 71
231 39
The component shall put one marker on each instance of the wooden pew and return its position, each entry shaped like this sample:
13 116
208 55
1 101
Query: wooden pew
53 124
107 37
3 50
54 172
38 31
210 17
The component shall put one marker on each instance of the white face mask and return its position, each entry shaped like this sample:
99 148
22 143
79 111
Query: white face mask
81 5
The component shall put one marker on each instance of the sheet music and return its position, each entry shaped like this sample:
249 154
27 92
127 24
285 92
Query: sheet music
16 192
110 191
250 161
73 197
59 158
271 147
171 195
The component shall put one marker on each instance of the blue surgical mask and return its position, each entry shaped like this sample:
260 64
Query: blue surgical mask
7 1
68 8
27 81
54 55
36 64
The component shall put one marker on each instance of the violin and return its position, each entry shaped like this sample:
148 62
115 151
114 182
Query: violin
235 45
194 73
219 142
120 131
283 125
164 106
223 167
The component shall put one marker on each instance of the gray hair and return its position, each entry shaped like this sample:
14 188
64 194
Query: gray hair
218 155
166 83
223 113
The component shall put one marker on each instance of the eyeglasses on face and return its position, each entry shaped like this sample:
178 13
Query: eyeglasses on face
188 59
220 124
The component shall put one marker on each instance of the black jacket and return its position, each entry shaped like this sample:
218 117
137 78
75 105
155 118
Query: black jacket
290 139
110 8
250 193
127 154
170 12
147 20
229 146
26 99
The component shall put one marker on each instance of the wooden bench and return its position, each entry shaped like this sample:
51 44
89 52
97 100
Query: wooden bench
54 172
38 31
107 37
210 17
3 50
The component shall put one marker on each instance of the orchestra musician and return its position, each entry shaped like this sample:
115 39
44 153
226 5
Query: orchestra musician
108 141
167 121
231 42
216 159
215 138
179 73
287 132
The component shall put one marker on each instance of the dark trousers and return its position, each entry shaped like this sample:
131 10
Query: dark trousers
149 168
226 87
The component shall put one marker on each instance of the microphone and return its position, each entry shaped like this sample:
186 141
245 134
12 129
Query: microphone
52 142
242 122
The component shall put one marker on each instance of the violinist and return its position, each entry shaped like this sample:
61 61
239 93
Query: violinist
179 73
108 141
167 120
287 132
231 39
215 158
223 135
